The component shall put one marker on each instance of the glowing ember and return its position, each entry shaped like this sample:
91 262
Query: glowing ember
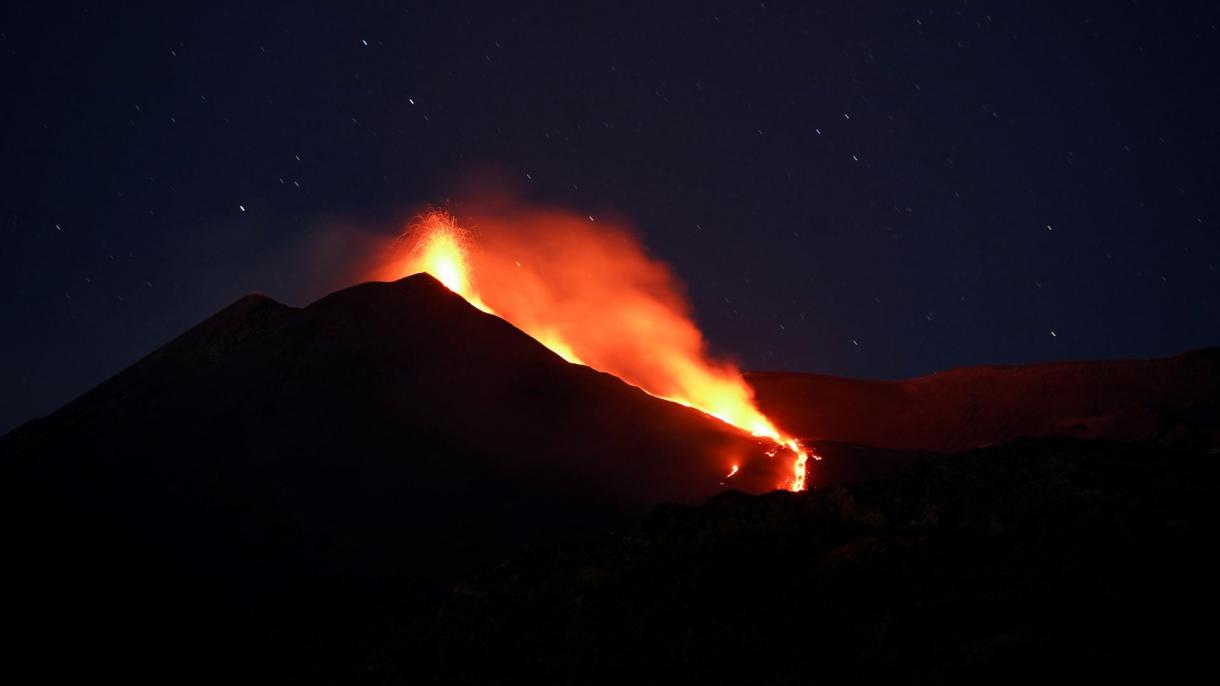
593 296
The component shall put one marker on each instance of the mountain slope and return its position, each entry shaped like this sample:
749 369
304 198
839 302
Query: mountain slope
1120 400
279 480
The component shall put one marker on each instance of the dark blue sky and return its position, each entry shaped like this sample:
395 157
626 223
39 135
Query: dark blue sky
876 191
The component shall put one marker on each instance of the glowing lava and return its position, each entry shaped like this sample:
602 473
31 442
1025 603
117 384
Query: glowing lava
440 250
592 295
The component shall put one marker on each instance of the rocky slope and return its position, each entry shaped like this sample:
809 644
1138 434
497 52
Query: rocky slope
1049 559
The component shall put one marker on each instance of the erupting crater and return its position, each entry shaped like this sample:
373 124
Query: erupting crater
588 291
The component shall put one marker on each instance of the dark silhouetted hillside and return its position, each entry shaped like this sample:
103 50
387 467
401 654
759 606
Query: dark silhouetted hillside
1170 399
277 485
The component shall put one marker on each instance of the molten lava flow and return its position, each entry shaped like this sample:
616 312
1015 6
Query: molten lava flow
592 295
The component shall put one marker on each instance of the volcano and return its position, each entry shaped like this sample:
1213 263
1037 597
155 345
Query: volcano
284 492
279 477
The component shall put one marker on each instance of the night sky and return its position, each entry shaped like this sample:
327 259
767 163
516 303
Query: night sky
878 192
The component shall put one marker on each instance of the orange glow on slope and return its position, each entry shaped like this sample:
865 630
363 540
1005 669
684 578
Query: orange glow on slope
589 292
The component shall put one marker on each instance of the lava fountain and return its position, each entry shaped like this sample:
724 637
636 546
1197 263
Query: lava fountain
588 291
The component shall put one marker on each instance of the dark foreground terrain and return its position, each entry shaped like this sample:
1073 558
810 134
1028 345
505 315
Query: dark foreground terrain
1033 562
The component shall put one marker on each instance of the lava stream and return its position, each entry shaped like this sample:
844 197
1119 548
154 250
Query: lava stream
593 296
